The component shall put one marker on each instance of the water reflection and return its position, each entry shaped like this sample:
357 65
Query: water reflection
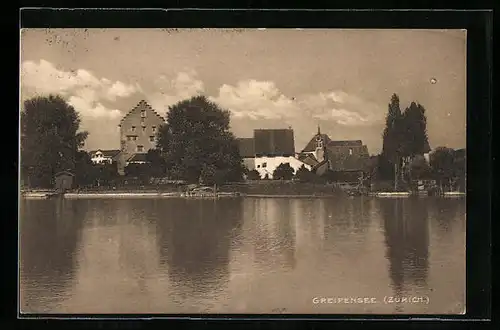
406 228
50 232
273 234
195 237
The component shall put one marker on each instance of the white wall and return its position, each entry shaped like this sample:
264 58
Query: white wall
100 159
273 162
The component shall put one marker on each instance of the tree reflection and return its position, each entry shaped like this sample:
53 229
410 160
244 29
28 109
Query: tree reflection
195 240
50 231
406 229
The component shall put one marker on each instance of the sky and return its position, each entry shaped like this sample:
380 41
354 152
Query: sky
341 80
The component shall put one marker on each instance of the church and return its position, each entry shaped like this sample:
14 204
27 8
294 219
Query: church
346 159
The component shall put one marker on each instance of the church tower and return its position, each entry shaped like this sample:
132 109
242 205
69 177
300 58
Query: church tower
320 147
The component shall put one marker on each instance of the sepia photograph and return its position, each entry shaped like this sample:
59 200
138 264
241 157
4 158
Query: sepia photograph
242 171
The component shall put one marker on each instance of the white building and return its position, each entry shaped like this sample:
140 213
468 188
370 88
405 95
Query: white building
266 165
104 156
268 149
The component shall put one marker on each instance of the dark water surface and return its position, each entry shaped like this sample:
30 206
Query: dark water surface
248 255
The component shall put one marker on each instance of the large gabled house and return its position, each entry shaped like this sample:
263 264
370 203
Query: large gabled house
268 149
138 130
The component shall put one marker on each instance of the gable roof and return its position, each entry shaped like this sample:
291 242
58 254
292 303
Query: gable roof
311 146
106 153
274 142
246 147
142 105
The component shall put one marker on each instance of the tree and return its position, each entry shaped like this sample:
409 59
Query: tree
156 163
413 135
304 175
420 169
85 173
195 140
442 164
283 172
50 138
392 143
253 175
404 137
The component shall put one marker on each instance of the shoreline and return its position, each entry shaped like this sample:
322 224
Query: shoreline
153 194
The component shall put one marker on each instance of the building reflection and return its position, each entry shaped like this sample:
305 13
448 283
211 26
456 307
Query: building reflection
274 233
195 238
50 231
406 227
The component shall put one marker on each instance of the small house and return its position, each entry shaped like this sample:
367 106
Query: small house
64 181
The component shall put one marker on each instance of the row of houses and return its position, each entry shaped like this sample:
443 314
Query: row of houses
268 148
264 151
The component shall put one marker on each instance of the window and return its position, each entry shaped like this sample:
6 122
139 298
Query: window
144 128
143 120
140 148
133 128
154 129
143 114
258 166
152 138
264 164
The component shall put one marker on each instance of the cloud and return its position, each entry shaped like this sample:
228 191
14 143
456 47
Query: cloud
256 99
170 91
263 100
82 89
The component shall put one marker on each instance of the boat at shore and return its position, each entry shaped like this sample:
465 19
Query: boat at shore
395 194
454 194
38 194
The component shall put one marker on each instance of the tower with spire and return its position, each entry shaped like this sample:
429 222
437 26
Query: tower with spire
320 147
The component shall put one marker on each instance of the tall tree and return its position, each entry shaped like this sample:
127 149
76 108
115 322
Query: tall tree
304 175
392 145
50 138
413 136
197 144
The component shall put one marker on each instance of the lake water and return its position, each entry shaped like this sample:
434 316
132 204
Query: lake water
244 255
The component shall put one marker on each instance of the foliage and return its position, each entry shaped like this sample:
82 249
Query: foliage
253 175
156 166
283 172
420 169
50 138
196 143
304 175
404 137
442 164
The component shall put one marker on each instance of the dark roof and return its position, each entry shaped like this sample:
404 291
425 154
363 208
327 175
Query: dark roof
343 161
64 173
274 142
311 146
346 143
308 159
106 153
139 157
246 147
460 152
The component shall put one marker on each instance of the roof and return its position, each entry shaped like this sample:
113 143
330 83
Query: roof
246 147
308 159
106 153
139 157
346 143
64 173
274 142
142 105
343 161
311 146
